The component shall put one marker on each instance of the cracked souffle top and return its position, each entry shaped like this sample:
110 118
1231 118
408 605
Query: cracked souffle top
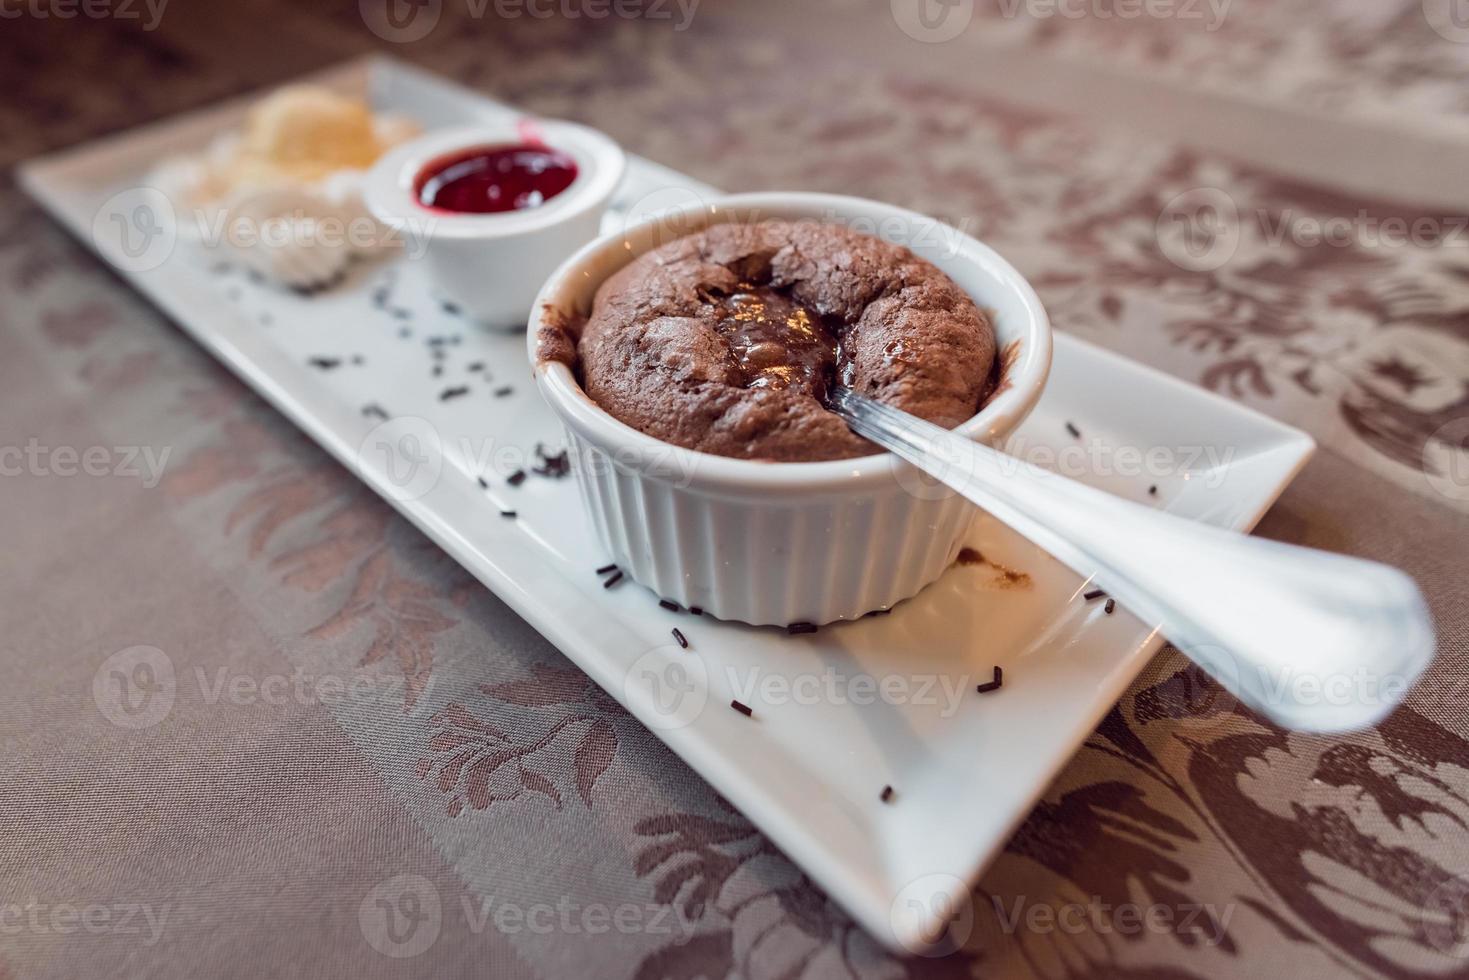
726 341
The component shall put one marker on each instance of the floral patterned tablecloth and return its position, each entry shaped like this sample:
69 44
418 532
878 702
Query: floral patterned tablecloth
236 827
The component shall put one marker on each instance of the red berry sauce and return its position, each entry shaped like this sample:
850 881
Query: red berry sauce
489 179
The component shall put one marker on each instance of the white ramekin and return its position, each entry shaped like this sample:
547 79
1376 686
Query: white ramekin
492 264
783 543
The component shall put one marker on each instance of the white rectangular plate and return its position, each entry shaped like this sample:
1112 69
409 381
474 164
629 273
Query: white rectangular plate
826 735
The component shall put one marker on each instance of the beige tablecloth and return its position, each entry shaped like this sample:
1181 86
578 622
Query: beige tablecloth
224 823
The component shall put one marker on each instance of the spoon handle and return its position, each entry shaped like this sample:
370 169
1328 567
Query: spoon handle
1310 639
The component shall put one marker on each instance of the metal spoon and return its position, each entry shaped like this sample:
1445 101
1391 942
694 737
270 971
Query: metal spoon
1310 639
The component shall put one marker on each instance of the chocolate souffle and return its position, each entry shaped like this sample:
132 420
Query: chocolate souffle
727 340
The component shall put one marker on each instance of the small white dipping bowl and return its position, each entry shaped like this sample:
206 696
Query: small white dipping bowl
491 264
783 543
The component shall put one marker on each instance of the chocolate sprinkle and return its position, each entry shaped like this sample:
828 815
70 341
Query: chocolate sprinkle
325 363
475 366
504 390
1093 594
697 610
797 628
683 641
485 485
450 308
742 708
1075 432
612 581
455 392
670 605
993 685
516 479
1153 490
1111 605
606 568
555 466
886 794
507 513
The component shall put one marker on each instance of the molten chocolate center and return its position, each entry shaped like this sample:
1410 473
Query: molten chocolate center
776 342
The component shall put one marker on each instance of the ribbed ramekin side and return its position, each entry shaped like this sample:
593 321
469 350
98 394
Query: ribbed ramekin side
768 562
589 467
